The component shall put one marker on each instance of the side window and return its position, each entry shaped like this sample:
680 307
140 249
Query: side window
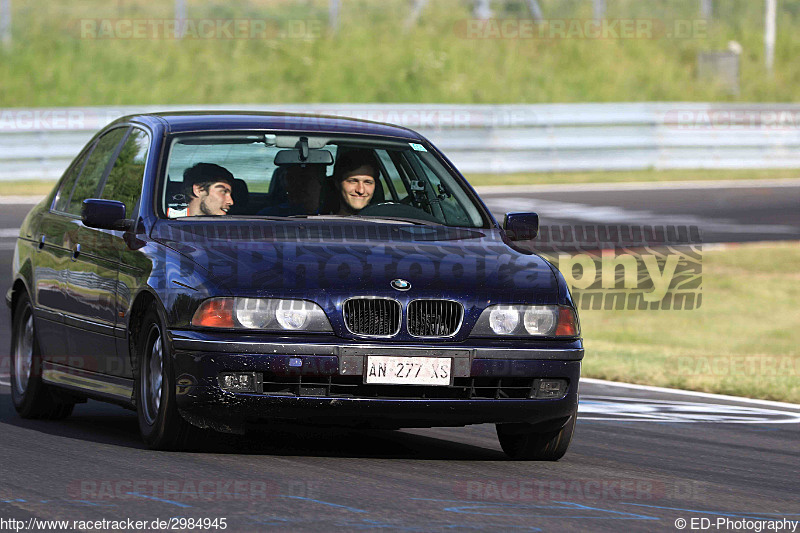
69 181
452 209
95 167
124 182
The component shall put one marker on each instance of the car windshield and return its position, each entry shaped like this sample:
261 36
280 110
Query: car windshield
299 175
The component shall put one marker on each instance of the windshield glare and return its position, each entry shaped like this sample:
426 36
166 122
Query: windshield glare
259 175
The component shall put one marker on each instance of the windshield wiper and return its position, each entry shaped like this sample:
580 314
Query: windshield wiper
415 221
257 217
384 219
359 218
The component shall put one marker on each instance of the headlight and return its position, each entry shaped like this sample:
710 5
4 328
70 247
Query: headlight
528 320
294 314
503 319
540 319
268 314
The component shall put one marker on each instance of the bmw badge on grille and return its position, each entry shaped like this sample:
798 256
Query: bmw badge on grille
401 284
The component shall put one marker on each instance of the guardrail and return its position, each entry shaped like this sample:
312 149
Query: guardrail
40 143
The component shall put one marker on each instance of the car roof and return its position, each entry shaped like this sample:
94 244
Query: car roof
188 121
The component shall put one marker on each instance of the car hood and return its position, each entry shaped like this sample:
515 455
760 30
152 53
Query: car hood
303 257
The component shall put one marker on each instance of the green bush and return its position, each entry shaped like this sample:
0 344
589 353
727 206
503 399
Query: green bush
372 59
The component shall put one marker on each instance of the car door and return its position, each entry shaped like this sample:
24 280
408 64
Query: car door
90 311
51 264
124 184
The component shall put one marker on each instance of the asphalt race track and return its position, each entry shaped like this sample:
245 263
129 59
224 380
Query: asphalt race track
641 460
722 213
627 472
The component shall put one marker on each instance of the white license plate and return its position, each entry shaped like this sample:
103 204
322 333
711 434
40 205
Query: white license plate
408 370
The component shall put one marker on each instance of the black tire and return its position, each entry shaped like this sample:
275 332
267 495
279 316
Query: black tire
32 398
531 444
160 424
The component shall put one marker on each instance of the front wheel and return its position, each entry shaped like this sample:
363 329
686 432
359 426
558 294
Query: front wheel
531 444
160 424
31 397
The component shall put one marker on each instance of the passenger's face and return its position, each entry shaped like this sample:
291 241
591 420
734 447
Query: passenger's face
357 188
216 200
303 187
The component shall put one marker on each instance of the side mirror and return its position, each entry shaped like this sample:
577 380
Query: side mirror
521 226
104 214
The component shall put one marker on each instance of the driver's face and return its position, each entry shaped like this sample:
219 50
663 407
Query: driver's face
217 200
357 188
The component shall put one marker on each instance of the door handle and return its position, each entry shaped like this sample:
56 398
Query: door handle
76 252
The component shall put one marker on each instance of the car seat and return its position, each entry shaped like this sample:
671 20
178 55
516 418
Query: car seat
176 199
241 197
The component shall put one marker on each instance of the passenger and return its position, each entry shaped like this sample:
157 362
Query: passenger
303 190
355 178
208 188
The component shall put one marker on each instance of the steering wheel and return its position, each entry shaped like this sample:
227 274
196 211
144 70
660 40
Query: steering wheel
397 209
379 209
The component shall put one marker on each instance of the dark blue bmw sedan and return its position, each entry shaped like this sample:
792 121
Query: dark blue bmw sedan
222 271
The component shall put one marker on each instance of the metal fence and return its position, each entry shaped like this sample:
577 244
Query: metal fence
40 143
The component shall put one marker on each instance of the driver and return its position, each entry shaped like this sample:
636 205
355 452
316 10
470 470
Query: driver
355 177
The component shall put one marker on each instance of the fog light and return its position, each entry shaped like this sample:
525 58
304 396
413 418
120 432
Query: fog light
551 388
238 381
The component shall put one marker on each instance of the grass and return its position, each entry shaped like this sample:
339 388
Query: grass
26 188
372 59
742 341
40 188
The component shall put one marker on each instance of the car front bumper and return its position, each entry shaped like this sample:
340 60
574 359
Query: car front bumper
321 383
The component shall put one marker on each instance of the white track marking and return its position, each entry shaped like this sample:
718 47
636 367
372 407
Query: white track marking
626 409
638 186
606 214
689 393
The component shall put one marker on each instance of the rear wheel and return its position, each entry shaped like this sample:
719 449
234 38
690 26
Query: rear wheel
160 424
31 397
529 443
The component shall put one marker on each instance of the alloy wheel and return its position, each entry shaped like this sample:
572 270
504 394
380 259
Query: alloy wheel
152 380
23 352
